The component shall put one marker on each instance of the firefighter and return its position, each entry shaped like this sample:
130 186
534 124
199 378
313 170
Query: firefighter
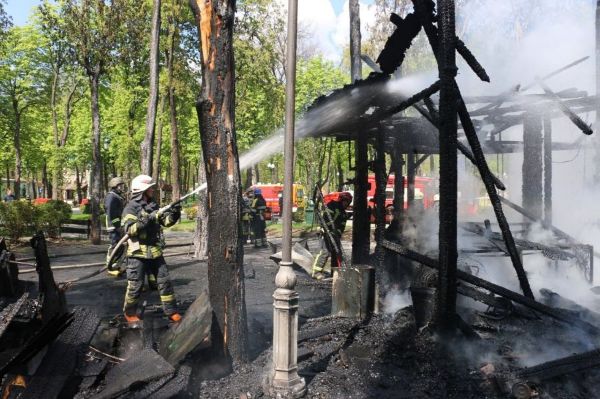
246 218
259 206
113 205
335 217
143 222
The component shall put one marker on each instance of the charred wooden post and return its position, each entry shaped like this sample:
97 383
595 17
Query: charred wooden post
380 185
215 108
285 379
448 254
9 272
361 227
548 170
484 170
393 53
411 171
531 188
52 299
398 217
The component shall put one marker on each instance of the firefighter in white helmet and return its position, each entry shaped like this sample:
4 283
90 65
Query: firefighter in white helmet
143 222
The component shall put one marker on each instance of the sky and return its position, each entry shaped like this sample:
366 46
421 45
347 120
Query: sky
326 20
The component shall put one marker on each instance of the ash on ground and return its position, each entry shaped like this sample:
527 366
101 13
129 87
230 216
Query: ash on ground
386 356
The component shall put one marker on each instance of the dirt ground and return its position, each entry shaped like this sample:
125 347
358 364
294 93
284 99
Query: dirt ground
385 356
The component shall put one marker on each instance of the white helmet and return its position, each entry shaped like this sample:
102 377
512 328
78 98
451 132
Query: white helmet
141 183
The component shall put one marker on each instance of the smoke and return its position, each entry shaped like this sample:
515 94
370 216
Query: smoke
396 299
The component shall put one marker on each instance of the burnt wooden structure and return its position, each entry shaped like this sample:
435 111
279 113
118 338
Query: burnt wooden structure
446 124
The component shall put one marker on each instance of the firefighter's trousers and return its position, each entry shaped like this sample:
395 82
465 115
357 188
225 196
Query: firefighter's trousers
258 230
327 252
115 236
137 270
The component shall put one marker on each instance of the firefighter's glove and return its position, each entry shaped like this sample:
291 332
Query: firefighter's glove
176 212
145 220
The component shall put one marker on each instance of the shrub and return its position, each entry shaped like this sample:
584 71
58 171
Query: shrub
51 215
191 212
16 218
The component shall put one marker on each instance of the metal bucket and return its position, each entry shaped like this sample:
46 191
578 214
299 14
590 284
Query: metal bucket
423 300
353 293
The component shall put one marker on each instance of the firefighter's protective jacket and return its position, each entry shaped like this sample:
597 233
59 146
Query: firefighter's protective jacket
113 204
146 243
259 205
335 217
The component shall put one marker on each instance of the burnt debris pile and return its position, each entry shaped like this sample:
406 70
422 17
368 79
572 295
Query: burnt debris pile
48 350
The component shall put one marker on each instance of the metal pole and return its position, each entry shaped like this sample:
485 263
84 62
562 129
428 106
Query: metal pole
286 382
288 146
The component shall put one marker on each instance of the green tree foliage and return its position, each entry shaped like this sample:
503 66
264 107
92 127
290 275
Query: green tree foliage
21 85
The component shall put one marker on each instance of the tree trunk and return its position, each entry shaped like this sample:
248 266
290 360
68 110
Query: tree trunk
45 183
159 129
248 178
256 174
216 116
17 145
78 184
60 143
147 145
175 181
96 176
55 174
340 173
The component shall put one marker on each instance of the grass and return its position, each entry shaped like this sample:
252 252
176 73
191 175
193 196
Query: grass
275 229
183 225
80 216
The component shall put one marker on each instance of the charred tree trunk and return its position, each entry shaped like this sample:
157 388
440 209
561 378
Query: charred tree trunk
548 170
147 145
532 171
157 153
175 181
201 233
96 173
216 116
446 292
